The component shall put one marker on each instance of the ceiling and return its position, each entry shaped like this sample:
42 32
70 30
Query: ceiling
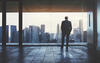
49 5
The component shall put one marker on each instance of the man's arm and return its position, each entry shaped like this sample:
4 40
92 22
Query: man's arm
70 26
61 25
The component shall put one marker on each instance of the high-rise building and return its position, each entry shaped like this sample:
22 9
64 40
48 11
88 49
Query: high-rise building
85 36
14 34
81 30
34 34
31 34
58 34
17 36
45 37
7 33
76 34
42 28
26 36
52 36
43 34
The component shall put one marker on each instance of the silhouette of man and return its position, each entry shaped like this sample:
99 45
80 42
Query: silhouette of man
66 28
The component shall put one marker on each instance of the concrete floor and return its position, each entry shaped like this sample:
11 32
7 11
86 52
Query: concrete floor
45 54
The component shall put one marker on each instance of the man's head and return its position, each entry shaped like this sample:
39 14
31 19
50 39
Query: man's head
66 17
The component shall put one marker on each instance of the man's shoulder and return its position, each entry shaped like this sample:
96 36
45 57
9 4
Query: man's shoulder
69 21
63 21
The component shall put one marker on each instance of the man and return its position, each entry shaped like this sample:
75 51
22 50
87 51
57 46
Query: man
66 28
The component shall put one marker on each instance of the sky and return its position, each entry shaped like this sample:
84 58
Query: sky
50 19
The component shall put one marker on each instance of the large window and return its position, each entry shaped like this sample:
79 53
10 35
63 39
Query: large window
12 20
45 27
12 27
41 25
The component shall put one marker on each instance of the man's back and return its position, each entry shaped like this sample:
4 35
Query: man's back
66 26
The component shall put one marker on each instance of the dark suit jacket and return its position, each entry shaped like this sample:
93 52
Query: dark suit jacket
66 27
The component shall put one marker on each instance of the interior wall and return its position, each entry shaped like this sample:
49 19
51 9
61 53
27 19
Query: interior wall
90 30
98 24
92 26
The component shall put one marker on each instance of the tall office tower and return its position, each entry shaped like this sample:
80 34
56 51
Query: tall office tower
34 34
57 28
85 36
58 34
43 35
81 30
42 28
26 35
76 34
13 33
17 36
47 37
52 36
7 33
0 34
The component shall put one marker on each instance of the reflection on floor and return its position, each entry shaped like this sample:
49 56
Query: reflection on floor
44 54
47 44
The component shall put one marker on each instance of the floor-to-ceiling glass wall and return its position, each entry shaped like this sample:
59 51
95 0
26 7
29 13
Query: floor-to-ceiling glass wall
12 22
12 27
45 27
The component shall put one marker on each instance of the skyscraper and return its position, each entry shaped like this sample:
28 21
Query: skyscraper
42 33
52 36
31 34
81 30
34 33
13 33
26 35
76 34
42 28
85 36
7 33
58 34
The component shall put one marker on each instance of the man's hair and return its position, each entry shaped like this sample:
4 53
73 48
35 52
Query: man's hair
66 17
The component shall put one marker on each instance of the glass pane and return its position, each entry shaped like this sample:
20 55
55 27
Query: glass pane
12 27
45 27
12 22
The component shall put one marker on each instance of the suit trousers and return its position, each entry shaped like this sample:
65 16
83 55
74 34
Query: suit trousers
67 39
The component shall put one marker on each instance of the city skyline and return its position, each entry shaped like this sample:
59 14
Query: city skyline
36 34
50 19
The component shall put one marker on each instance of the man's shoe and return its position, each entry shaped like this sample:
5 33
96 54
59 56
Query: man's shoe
61 47
66 48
